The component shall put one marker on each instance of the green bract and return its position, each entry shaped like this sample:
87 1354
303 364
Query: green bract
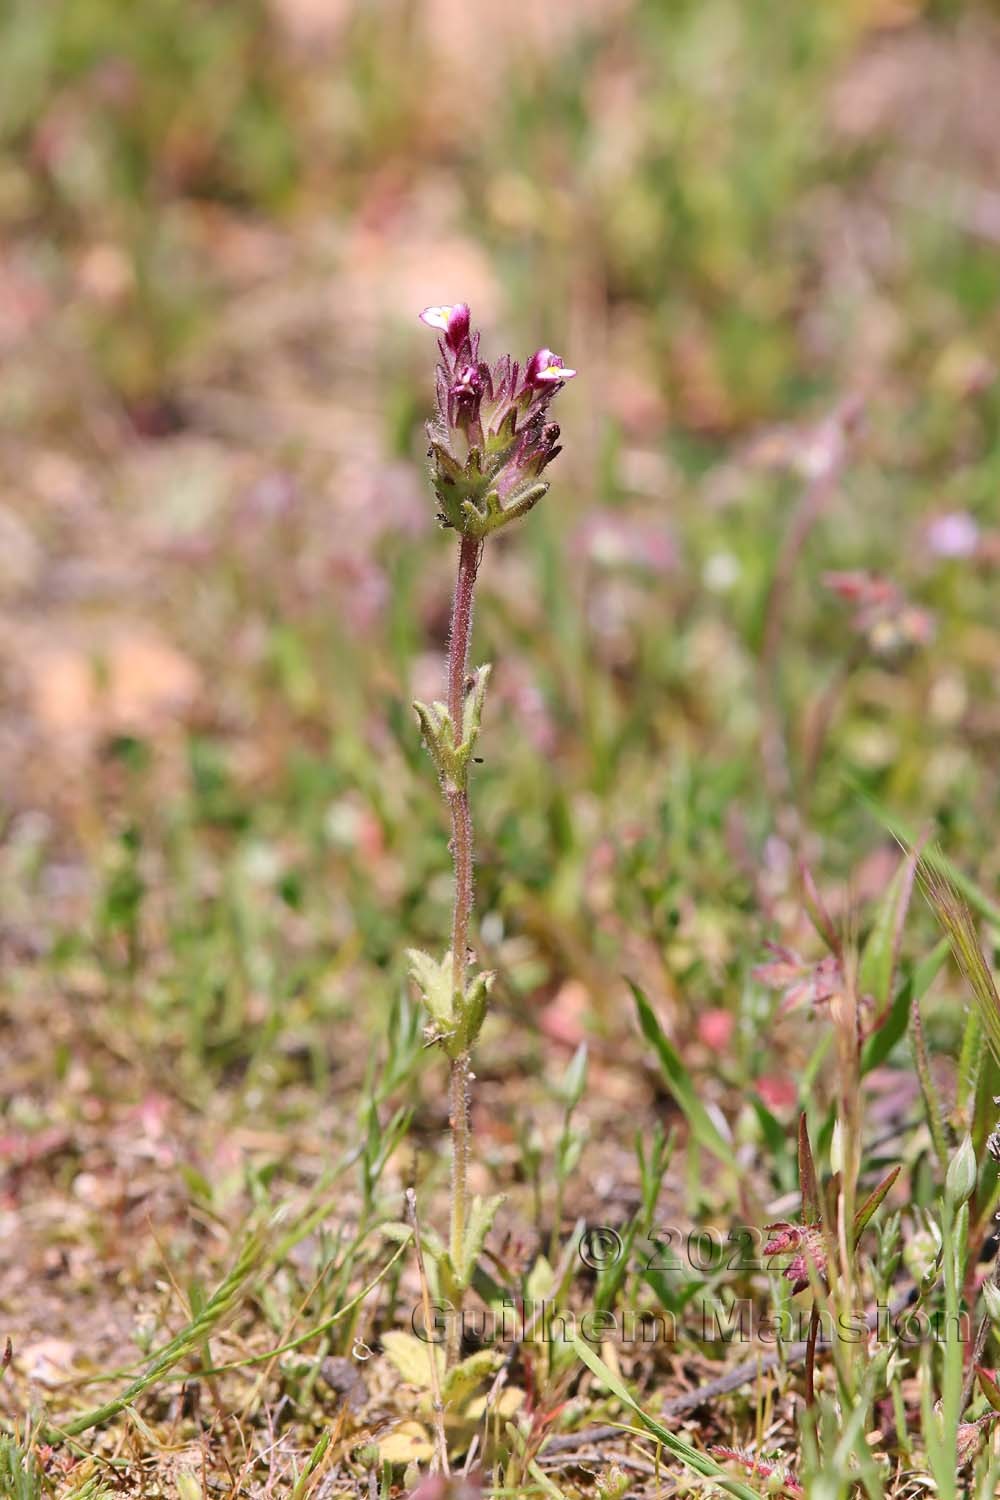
456 1019
451 757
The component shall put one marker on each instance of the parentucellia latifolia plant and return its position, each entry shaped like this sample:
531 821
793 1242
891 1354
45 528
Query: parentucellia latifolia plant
490 442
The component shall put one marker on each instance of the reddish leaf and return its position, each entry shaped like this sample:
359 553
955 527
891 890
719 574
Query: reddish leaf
808 1184
872 1202
989 1387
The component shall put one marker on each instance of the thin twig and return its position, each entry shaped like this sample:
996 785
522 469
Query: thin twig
811 1356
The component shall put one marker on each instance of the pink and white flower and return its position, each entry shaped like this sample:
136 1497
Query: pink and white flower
546 368
452 319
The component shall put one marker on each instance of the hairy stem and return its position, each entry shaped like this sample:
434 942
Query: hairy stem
458 1119
461 850
461 853
458 796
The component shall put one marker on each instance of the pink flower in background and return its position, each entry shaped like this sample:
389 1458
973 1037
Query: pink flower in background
952 535
780 1479
804 1243
778 1091
715 1028
801 981
882 612
610 538
969 1436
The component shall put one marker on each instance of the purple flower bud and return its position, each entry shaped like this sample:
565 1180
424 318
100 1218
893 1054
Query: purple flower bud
464 398
538 448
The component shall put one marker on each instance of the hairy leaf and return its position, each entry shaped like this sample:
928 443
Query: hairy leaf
434 981
808 1182
868 1208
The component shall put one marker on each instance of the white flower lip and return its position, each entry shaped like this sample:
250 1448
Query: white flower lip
549 367
555 371
437 317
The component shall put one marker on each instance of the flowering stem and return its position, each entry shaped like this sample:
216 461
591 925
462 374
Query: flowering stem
461 850
489 444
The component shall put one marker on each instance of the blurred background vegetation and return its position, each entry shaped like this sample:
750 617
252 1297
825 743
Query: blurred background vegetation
767 236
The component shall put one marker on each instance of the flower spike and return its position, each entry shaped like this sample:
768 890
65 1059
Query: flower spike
490 440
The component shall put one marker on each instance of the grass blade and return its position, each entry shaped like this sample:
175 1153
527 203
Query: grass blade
191 1338
933 859
955 917
678 1081
881 956
700 1462
882 1040
932 1104
871 1204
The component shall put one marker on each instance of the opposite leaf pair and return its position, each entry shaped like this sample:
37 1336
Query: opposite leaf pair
451 755
456 1018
